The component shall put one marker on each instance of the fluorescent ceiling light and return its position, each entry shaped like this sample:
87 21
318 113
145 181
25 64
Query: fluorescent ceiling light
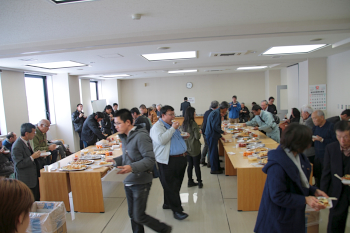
251 68
69 1
116 75
294 49
170 56
57 65
181 71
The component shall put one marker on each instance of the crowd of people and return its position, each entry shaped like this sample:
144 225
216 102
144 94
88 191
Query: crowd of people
155 144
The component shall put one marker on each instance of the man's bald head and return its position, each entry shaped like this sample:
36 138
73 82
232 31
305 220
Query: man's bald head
44 125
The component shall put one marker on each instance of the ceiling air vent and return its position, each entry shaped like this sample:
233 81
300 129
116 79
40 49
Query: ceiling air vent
213 70
230 53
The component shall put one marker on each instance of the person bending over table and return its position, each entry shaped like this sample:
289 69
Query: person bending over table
91 131
287 189
263 120
137 160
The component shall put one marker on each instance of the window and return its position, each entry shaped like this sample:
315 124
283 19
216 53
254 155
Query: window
37 98
93 90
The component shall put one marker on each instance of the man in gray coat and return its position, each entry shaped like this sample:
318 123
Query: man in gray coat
138 160
306 112
27 163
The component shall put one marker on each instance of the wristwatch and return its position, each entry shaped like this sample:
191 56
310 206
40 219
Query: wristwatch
322 140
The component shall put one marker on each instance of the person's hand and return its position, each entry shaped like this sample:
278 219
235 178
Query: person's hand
244 125
175 125
124 169
320 193
241 111
317 138
200 131
224 133
2 150
85 116
52 147
313 203
187 136
256 128
222 138
36 154
109 139
81 115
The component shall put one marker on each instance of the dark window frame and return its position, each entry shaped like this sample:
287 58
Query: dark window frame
46 96
96 85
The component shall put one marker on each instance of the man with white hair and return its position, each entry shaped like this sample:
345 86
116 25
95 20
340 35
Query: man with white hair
264 105
158 107
306 112
323 134
40 141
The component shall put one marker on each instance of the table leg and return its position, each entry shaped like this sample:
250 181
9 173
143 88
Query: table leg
55 187
87 192
221 148
250 186
229 169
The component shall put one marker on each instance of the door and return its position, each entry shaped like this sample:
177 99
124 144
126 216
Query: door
282 101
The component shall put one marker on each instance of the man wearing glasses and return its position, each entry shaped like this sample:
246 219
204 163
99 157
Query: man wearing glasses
170 150
41 143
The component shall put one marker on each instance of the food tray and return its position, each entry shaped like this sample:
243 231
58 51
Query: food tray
89 157
88 162
66 169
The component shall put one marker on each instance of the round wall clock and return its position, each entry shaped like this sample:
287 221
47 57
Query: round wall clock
189 85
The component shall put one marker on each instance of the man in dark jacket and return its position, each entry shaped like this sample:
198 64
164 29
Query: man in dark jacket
140 119
244 114
78 119
137 160
115 110
91 131
323 134
344 116
213 132
271 107
214 105
184 106
337 161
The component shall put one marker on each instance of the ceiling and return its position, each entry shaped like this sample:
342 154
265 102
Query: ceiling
87 32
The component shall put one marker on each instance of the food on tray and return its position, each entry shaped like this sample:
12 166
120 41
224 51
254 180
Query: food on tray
105 163
99 152
243 134
346 177
323 201
252 158
81 162
246 153
74 167
260 149
242 144
263 161
255 135
263 153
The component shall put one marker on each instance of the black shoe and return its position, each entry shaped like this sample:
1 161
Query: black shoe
169 229
222 168
208 165
220 160
166 207
191 183
180 215
216 172
204 164
200 185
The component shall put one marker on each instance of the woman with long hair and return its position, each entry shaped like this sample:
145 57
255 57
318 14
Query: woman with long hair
193 147
16 201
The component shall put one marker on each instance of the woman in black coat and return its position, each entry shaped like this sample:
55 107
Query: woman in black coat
106 122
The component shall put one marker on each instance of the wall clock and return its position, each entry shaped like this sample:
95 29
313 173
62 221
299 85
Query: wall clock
189 85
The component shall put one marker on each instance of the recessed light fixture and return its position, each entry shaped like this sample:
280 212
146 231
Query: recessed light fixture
294 49
251 68
163 48
317 39
181 71
170 56
70 1
57 65
116 75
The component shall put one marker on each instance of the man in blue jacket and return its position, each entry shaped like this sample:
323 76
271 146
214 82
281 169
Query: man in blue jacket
213 133
234 109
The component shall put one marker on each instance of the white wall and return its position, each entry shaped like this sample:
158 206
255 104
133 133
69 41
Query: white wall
109 91
14 101
86 96
293 87
303 83
338 83
248 86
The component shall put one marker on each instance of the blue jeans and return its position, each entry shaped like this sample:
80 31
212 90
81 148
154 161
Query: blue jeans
137 196
214 153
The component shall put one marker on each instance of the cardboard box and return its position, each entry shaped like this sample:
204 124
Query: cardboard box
312 221
47 217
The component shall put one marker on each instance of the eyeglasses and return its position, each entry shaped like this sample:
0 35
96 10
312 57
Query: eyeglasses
173 114
47 126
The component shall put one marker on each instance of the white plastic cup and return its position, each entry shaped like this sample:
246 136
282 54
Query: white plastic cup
46 167
58 165
237 145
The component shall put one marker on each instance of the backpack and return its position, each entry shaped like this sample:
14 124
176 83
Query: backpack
276 119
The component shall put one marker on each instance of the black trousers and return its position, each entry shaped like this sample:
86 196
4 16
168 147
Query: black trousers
243 119
214 153
194 162
137 196
171 176
53 158
81 141
318 167
205 151
36 192
339 213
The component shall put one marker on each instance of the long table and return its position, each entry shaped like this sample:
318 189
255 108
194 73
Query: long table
86 186
250 179
198 120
